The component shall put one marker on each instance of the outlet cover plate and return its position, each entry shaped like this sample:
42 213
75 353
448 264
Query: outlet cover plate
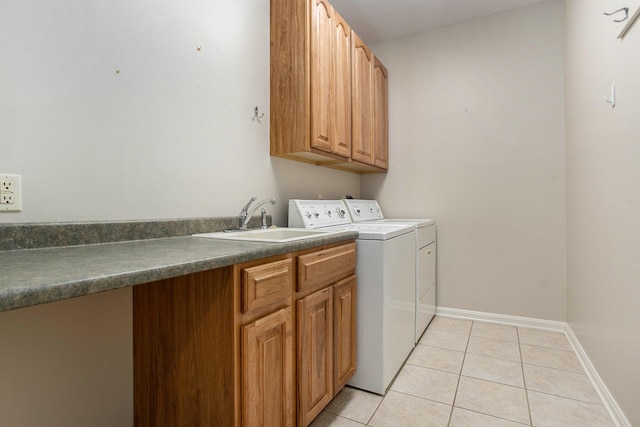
10 193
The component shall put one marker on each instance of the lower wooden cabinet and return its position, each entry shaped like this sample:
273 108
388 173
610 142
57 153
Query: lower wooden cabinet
240 346
326 346
315 354
267 370
183 359
344 328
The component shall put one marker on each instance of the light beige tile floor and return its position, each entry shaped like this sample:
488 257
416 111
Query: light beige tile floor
467 373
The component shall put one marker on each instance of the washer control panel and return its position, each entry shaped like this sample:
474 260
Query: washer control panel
317 213
363 210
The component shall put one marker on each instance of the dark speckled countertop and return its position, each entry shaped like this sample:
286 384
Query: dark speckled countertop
36 276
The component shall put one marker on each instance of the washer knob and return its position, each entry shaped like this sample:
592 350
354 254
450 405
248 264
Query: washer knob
307 214
316 214
340 212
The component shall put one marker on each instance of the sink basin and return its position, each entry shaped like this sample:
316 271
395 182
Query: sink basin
274 235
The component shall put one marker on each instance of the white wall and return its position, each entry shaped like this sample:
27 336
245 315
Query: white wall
169 136
477 142
68 363
603 195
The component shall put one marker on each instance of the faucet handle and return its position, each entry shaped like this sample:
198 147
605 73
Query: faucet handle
242 216
246 207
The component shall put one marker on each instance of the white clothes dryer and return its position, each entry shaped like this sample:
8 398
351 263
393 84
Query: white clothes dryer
369 211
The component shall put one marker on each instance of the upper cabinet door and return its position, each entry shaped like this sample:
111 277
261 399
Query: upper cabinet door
321 74
362 101
380 115
330 80
341 86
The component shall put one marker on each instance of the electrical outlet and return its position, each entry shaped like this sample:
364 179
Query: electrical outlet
10 195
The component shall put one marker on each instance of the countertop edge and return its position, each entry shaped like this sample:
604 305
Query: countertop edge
26 295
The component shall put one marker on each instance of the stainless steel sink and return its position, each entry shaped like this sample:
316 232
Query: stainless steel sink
274 235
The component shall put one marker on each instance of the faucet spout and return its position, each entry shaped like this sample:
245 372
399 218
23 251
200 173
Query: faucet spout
244 219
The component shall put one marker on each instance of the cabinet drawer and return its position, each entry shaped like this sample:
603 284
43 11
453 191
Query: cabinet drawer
266 284
326 266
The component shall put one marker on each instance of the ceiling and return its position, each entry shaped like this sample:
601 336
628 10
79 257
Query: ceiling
380 20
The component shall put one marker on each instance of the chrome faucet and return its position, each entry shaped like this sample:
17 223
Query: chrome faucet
245 215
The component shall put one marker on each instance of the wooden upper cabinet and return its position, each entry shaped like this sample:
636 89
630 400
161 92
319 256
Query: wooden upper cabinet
330 80
380 115
312 88
362 101
370 110
321 75
341 86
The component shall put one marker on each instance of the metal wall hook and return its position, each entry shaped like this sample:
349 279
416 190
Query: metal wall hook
612 96
256 114
626 14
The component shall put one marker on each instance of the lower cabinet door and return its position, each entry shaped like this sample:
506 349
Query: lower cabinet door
267 371
315 354
345 331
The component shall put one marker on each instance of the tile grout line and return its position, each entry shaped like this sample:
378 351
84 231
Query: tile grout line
494 416
493 382
377 407
568 398
524 379
556 369
404 393
455 395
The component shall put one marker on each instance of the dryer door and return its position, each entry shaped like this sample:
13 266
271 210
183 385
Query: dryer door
425 288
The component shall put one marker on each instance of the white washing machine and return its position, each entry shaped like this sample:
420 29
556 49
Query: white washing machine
369 211
385 268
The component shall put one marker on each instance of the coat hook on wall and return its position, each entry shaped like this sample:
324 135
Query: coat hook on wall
626 14
612 96
256 114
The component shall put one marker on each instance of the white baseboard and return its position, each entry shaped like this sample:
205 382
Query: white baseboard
502 318
605 395
608 401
